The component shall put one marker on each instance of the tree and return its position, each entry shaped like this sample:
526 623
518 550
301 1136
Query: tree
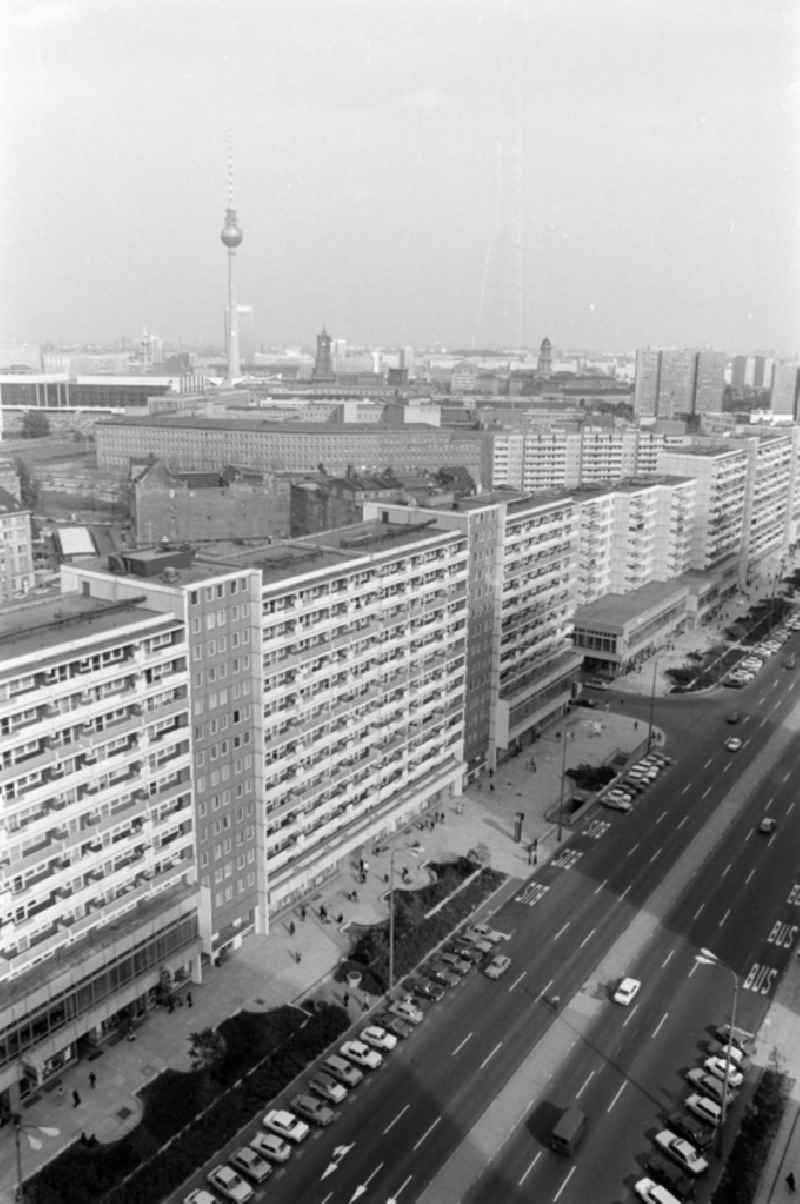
208 1048
35 424
28 486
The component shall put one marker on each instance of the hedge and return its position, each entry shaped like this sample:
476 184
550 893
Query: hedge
415 935
190 1115
744 1167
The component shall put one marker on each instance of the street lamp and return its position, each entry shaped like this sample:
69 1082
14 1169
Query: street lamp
708 958
560 833
34 1143
652 704
391 920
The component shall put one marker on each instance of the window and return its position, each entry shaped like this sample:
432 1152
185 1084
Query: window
204 860
195 625
193 597
220 590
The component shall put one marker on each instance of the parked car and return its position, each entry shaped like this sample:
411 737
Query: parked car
247 1162
327 1088
498 966
378 1038
681 1151
596 683
469 950
342 1070
791 661
271 1146
362 1055
311 1108
691 1130
735 1036
666 1172
614 803
732 1052
708 1084
716 1067
427 989
199 1195
461 965
230 1185
443 974
482 932
394 1024
286 1124
705 1109
406 1011
654 1193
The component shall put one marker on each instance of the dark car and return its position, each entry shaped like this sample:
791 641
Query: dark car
584 702
327 1088
467 950
633 785
734 717
311 1108
439 973
393 1024
457 962
699 1134
670 1176
426 989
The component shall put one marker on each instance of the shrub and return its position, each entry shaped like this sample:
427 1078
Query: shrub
745 1163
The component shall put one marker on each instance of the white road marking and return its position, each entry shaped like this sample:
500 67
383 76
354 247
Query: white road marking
600 886
545 989
706 791
683 821
749 876
686 788
632 849
392 1123
401 1188
585 1084
726 766
489 1056
697 913
657 1028
745 718
657 854
427 1133
587 938
749 834
668 959
530 1167
630 1016
691 972
661 816
769 842
789 808
724 918
727 869
461 1045
786 776
570 1173
768 803
616 1097
518 980
708 762
775 705
624 893
562 930
762 700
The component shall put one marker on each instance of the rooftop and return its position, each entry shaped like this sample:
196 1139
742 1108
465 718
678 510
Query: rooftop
34 626
718 449
9 504
190 422
615 610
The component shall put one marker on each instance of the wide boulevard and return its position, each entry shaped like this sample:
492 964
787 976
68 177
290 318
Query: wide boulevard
463 1108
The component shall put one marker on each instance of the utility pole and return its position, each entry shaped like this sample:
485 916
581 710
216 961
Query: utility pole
391 920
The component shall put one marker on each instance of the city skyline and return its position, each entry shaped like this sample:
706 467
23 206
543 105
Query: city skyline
659 203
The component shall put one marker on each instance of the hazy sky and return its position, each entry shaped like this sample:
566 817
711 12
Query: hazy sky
660 169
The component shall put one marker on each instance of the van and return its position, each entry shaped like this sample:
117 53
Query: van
569 1132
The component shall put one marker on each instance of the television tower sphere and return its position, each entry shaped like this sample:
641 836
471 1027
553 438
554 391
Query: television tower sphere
231 232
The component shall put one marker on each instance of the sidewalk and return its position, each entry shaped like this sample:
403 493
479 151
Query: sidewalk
779 1044
265 973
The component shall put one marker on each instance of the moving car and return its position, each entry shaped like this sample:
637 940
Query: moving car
627 991
286 1124
654 1193
230 1185
733 743
791 661
681 1151
327 1088
497 967
705 1109
342 1070
767 825
362 1055
247 1162
482 932
614 803
406 1011
313 1109
378 1037
271 1146
716 1067
708 1084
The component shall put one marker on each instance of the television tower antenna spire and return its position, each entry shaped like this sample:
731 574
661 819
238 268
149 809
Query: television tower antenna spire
231 236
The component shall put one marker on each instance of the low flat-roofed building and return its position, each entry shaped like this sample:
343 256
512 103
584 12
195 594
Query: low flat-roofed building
619 631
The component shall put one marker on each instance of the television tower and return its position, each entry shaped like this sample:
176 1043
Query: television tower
231 238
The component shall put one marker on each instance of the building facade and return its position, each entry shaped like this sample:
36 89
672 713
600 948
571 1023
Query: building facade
17 576
97 863
721 475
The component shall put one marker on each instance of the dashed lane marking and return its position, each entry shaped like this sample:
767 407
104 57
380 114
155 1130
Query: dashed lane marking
657 1028
518 980
569 1175
630 1015
656 855
616 1097
427 1133
562 930
661 817
708 762
461 1045
724 918
668 959
529 1168
490 1055
392 1123
588 937
632 849
726 870
683 821
600 886
749 876
697 913
585 1084
706 792
686 788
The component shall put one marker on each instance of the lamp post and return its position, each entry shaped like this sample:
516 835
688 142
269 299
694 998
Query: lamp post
391 920
47 1130
560 833
708 958
652 706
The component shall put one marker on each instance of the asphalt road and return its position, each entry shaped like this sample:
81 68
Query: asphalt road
402 1125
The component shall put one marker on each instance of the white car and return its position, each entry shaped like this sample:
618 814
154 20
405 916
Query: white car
708 1084
705 1109
230 1185
654 1193
484 933
733 743
627 991
497 966
716 1067
618 795
736 1036
406 1011
732 1052
361 1054
199 1195
614 803
286 1124
271 1146
647 773
681 1151
378 1037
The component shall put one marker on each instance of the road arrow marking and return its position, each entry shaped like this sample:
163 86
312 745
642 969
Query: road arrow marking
336 1157
361 1190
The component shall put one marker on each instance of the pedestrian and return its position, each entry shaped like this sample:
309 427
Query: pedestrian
346 998
491 787
791 1182
302 913
635 724
188 999
76 1099
291 928
298 957
171 1005
92 1080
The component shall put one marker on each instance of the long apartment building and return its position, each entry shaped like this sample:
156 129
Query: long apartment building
522 583
721 476
97 855
567 456
766 518
190 444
